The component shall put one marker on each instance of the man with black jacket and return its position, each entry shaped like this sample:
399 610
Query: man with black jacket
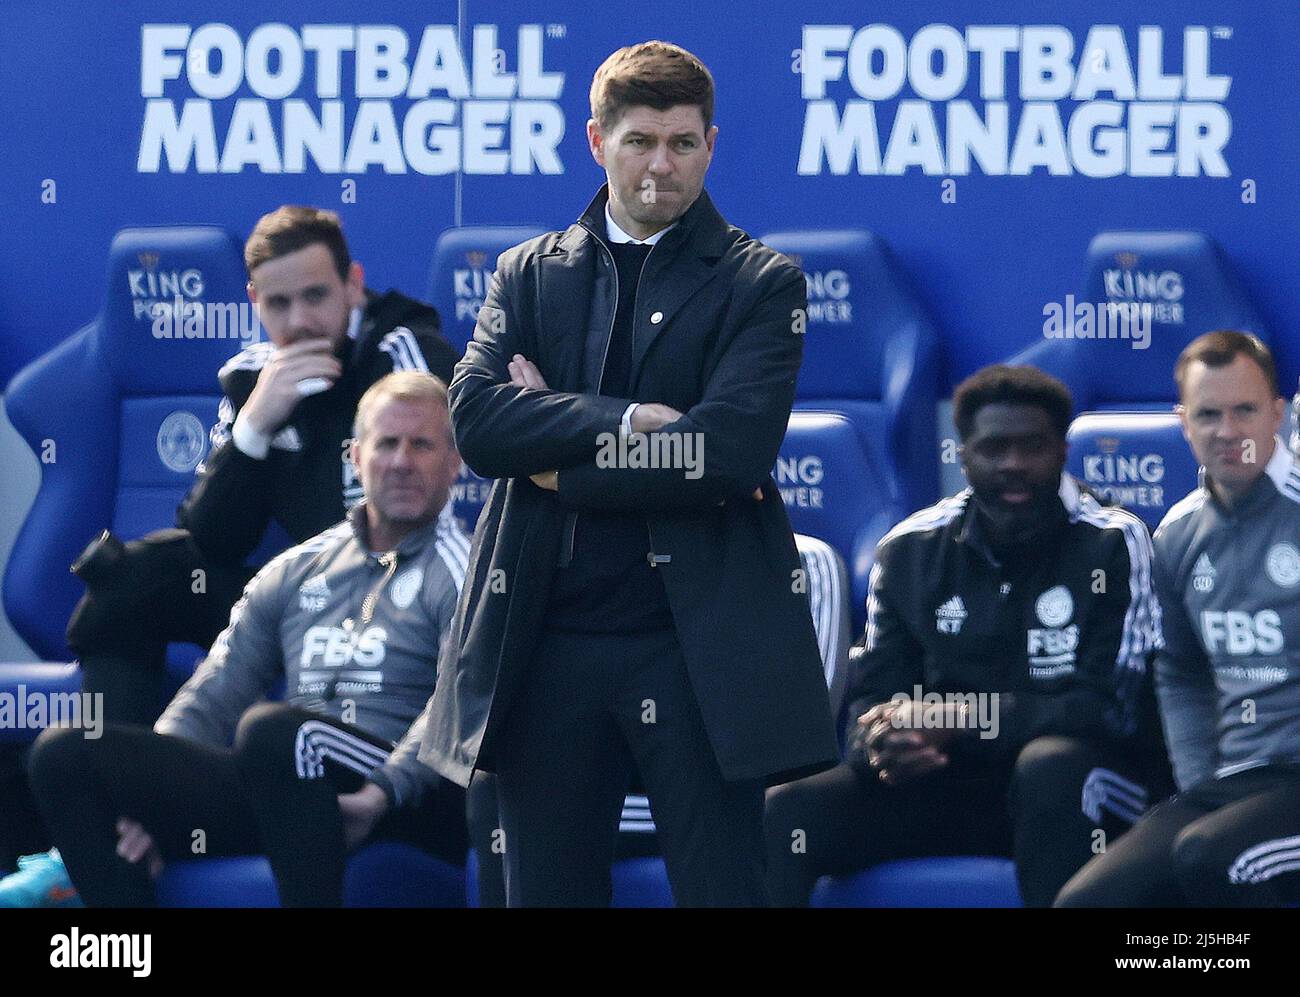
619 610
279 454
996 703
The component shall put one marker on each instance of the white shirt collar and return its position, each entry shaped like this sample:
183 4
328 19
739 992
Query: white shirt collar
354 323
616 234
1279 465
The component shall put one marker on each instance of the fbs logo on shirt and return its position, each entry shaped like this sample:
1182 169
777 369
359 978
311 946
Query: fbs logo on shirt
1239 633
335 647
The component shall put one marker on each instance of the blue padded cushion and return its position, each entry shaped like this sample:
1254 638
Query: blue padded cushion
1138 459
949 881
117 416
830 475
383 874
869 342
32 678
641 882
464 260
241 881
469 494
1191 288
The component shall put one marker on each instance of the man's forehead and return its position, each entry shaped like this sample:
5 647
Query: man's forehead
1229 384
310 265
1011 419
407 416
680 118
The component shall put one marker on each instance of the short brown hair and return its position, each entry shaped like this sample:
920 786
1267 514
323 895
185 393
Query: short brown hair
292 227
1220 348
405 385
652 74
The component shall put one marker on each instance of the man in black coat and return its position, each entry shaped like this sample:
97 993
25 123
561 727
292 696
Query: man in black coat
634 591
278 454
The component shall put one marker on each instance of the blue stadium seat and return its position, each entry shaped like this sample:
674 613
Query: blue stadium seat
871 354
469 494
119 416
395 874
240 881
641 883
1138 459
833 491
946 881
36 682
463 262
1190 288
384 874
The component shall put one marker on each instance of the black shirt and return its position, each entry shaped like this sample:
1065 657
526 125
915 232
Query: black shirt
609 586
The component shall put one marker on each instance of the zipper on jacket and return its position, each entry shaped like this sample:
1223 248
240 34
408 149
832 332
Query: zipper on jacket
566 549
368 605
389 560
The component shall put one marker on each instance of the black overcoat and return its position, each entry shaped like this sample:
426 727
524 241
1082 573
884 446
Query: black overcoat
718 335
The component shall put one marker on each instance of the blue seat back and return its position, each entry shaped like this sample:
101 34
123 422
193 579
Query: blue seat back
1155 292
831 477
118 414
1186 284
1137 459
870 352
464 260
469 495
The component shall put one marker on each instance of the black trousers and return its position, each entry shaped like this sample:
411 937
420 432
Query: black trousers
276 794
141 596
487 838
590 708
843 820
1231 842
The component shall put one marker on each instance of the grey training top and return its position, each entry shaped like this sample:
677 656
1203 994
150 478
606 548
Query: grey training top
355 635
1229 587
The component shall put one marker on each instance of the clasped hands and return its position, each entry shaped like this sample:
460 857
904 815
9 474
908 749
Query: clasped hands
897 746
647 417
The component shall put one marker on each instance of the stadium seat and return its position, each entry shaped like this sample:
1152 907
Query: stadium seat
870 354
240 881
384 874
1137 459
118 416
1190 288
33 682
833 491
946 881
463 262
469 494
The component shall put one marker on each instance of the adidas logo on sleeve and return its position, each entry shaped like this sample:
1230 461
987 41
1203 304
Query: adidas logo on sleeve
950 616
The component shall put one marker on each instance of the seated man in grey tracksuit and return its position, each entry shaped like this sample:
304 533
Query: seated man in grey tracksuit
1227 571
351 621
